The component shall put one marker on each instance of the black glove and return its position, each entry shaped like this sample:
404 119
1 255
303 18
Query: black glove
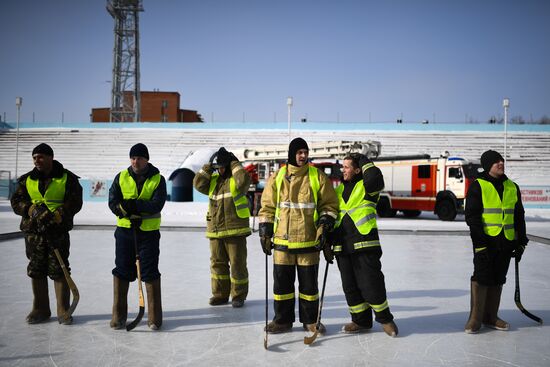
119 211
518 252
327 252
130 206
212 157
266 233
327 222
224 157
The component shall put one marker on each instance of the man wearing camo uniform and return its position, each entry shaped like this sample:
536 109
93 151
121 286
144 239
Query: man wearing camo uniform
47 198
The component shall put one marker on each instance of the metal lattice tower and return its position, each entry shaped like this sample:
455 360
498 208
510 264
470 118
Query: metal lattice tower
125 93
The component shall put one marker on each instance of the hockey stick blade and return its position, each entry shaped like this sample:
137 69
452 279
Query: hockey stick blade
310 339
517 299
265 342
141 311
70 283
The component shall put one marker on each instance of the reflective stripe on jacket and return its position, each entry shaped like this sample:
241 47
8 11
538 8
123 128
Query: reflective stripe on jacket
239 199
361 211
228 212
54 195
293 199
129 190
498 214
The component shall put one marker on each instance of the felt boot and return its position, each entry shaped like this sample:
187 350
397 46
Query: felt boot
154 304
120 303
41 302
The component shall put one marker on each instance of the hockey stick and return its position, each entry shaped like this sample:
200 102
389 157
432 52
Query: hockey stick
70 282
134 323
517 299
266 301
310 339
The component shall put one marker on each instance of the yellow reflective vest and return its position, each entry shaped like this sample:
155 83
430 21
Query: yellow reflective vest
498 214
54 195
128 186
360 210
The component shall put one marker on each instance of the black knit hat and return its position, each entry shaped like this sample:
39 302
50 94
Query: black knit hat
139 150
224 157
43 148
294 146
489 158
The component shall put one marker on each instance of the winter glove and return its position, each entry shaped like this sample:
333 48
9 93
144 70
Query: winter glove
130 206
327 222
212 158
327 252
135 221
518 252
224 157
266 233
119 211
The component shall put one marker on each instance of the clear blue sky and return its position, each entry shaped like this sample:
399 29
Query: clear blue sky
352 60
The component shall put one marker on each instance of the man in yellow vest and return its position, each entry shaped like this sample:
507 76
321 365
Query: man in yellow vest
47 198
299 205
357 246
227 226
496 218
137 196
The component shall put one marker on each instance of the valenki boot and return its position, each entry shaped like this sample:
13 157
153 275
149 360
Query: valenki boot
490 317
120 303
154 304
478 298
41 302
63 297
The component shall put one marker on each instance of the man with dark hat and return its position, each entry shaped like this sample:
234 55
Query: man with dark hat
299 206
496 218
47 198
227 224
137 197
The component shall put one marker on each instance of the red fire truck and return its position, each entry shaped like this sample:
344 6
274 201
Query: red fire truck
422 183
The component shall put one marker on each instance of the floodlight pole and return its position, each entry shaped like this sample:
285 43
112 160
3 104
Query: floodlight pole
506 105
289 102
18 103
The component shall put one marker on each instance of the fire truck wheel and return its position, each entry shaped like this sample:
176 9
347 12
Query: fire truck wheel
384 209
411 213
446 210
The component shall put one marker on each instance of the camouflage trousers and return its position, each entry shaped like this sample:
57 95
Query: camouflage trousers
39 249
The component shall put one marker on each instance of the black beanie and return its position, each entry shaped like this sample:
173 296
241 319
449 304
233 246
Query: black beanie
489 158
224 157
139 150
294 146
43 148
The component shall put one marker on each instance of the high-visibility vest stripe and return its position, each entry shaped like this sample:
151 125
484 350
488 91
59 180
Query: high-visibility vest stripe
239 199
55 192
498 215
128 186
362 212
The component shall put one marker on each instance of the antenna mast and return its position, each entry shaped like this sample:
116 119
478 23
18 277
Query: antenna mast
125 93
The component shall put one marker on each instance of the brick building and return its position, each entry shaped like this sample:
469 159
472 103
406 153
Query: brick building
155 107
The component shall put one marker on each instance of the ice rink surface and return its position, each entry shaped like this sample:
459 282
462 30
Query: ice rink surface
427 279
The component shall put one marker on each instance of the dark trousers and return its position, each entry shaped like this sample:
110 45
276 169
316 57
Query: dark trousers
125 256
284 277
491 265
364 287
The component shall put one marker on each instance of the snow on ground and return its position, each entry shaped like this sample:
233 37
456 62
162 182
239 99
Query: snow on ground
427 278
